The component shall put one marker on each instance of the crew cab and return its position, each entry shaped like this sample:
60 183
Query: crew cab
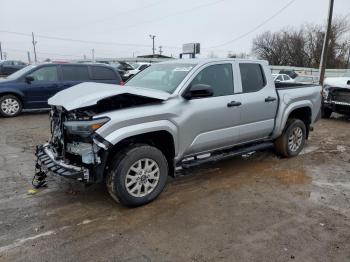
32 86
173 115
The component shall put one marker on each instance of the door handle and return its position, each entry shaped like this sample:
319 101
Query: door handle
270 99
234 103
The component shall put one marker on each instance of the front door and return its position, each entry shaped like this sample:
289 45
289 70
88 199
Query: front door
44 85
211 122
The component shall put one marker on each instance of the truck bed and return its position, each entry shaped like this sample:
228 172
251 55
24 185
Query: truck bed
292 96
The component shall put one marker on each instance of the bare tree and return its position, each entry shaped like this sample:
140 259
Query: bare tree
303 47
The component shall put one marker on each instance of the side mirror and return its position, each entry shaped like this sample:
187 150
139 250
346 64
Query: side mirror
199 91
29 79
277 81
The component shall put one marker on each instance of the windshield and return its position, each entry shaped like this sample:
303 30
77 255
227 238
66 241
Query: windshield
21 72
165 77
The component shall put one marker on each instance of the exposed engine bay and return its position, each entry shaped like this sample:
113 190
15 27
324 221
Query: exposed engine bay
75 150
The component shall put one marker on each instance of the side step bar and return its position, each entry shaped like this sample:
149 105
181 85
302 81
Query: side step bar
225 154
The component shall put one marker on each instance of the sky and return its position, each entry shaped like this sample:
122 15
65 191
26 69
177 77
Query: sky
119 28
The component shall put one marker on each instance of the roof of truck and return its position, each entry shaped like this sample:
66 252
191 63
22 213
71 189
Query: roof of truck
209 60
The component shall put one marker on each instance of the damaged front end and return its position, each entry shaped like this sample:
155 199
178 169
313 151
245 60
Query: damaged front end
337 99
75 150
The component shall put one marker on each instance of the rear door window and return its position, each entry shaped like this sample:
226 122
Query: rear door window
103 73
253 77
75 73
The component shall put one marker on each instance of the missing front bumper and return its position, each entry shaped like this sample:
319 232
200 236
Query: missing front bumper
48 162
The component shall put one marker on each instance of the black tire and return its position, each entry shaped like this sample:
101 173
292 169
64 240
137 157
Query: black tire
119 168
326 112
17 106
281 143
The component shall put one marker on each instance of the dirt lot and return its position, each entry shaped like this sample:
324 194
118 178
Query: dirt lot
257 209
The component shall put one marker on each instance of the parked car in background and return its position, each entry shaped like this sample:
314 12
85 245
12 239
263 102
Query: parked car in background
122 68
307 79
7 67
32 86
336 96
137 68
289 72
178 113
282 78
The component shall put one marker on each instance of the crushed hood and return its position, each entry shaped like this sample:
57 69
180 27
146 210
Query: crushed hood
88 94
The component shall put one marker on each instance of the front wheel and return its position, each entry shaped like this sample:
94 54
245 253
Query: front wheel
138 174
292 140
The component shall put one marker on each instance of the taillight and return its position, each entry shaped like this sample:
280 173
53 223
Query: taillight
121 82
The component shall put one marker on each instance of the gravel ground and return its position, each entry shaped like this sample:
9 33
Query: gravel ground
262 208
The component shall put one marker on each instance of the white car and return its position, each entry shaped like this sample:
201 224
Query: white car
282 78
137 68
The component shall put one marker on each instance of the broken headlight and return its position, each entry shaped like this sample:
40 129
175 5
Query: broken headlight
84 128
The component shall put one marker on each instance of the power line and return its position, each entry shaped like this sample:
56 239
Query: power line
174 14
116 43
41 53
256 27
72 40
127 12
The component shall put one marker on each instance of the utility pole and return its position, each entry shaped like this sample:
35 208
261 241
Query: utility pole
0 52
29 60
323 62
34 44
347 63
152 37
93 55
160 50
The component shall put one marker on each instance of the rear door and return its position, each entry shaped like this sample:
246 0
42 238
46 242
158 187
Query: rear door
44 85
259 102
105 74
73 75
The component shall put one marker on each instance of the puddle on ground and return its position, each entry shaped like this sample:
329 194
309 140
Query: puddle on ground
291 177
236 172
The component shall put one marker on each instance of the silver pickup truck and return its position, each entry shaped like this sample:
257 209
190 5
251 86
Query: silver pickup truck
172 115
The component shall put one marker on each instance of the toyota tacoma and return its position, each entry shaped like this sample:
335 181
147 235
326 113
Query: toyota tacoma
173 115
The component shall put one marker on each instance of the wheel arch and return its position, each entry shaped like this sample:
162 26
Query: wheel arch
19 95
161 139
301 110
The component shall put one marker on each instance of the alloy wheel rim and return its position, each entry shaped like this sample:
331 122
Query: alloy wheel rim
10 106
295 139
142 177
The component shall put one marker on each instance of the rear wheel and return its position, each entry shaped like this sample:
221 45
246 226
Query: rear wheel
292 140
10 106
138 174
326 112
